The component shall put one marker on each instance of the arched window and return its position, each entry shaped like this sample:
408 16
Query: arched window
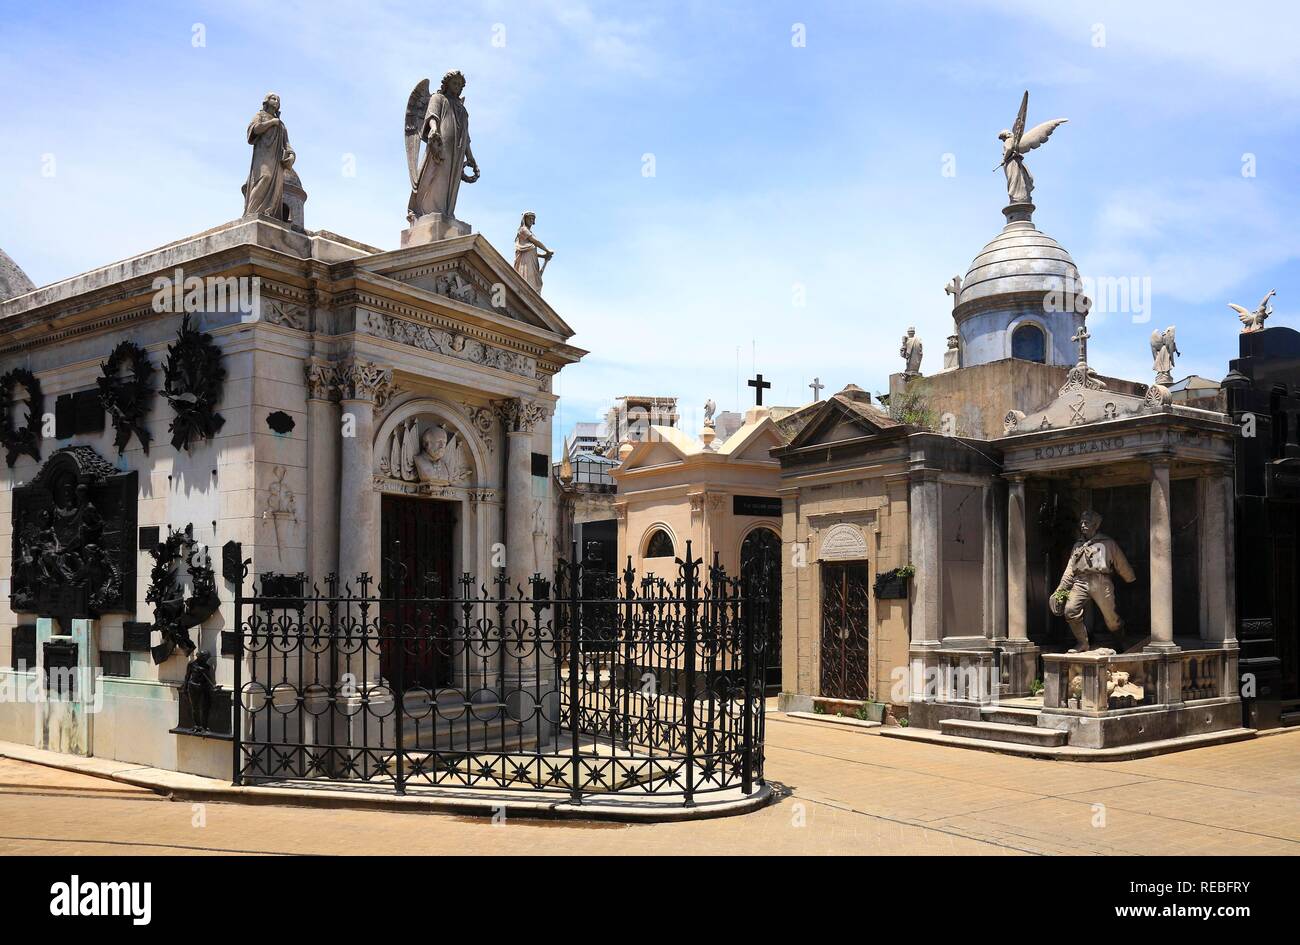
1028 343
659 544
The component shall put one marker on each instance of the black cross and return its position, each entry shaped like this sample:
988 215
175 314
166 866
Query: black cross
759 386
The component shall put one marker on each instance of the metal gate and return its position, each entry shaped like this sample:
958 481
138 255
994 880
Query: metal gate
846 613
651 686
760 560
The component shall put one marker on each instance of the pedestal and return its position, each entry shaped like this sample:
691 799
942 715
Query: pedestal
433 227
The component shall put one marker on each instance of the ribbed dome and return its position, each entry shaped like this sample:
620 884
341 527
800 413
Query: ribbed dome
13 281
1019 260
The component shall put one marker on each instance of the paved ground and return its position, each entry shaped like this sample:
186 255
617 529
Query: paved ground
850 791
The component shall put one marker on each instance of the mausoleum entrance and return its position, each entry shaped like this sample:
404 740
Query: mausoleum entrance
1122 499
845 630
418 541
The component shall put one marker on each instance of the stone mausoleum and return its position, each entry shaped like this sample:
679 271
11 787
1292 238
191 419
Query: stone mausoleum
1019 550
261 394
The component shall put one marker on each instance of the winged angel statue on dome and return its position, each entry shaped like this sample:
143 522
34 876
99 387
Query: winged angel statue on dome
1015 144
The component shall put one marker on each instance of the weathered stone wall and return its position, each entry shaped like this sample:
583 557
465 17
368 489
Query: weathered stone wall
979 397
876 509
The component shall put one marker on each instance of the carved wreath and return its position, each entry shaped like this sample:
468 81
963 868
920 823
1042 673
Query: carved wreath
127 399
24 440
192 380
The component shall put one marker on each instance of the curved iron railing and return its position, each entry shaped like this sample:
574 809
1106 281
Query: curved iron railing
599 684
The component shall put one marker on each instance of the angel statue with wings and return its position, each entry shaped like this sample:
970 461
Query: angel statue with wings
1017 142
442 123
1163 352
1254 321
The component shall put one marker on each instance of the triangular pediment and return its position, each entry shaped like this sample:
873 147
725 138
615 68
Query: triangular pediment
839 420
468 271
1083 400
755 445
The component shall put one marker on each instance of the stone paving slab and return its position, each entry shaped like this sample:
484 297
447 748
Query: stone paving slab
838 790
542 803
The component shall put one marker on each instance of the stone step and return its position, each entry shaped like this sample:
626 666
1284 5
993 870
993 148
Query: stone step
999 732
1068 752
1009 715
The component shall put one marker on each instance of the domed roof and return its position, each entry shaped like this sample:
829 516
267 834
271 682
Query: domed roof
13 281
1020 261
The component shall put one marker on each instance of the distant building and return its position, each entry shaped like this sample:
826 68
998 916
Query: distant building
585 438
631 416
719 494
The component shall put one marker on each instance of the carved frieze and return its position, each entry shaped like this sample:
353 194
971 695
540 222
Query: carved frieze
442 341
286 314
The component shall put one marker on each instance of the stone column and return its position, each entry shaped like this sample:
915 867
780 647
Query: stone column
518 419
1218 572
923 523
323 437
923 538
1020 657
529 671
1017 563
1161 555
362 387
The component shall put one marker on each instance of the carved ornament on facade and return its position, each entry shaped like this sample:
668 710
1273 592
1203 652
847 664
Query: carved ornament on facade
364 380
1157 399
441 341
286 314
322 378
519 414
483 422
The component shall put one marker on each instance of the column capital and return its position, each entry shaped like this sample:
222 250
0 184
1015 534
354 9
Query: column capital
322 378
364 380
520 414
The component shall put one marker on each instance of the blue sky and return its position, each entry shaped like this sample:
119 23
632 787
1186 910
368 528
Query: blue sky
777 166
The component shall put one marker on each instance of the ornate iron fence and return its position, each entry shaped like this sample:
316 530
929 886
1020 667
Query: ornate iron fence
598 684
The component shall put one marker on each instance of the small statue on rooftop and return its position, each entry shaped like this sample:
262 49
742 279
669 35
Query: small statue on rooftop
1254 321
272 159
910 351
528 250
1163 352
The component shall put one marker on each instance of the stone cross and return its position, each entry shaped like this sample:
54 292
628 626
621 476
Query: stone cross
953 288
759 386
1081 337
817 387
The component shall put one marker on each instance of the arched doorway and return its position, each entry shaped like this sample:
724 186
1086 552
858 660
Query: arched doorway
760 568
425 529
